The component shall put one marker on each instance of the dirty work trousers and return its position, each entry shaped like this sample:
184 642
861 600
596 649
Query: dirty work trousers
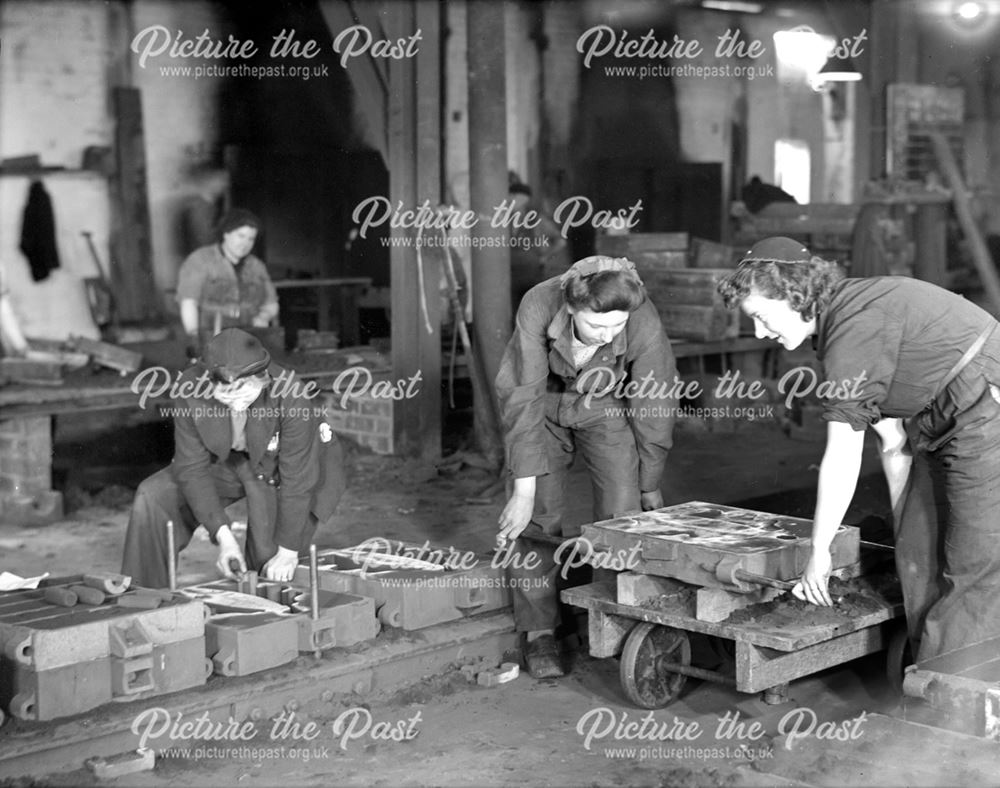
159 499
948 532
607 446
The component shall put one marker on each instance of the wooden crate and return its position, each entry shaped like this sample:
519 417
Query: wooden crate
709 254
699 323
649 251
689 286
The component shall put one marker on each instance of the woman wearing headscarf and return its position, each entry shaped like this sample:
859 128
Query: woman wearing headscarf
585 371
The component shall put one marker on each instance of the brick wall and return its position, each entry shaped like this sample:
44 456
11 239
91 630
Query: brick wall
26 493
365 420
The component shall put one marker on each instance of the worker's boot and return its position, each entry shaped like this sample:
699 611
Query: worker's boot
542 658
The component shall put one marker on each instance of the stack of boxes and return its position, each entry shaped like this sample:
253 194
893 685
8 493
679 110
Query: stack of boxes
680 275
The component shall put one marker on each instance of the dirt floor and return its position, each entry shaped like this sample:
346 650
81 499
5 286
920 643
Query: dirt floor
448 731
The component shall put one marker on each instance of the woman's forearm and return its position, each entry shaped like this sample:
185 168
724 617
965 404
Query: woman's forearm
838 478
189 316
525 486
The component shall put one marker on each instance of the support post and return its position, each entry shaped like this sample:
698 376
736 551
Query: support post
414 176
488 188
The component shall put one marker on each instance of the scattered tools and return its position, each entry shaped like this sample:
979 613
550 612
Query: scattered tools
246 582
88 596
107 355
493 677
314 590
108 582
113 766
99 293
171 557
57 595
730 572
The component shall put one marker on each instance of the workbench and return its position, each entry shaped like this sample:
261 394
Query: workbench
27 413
347 290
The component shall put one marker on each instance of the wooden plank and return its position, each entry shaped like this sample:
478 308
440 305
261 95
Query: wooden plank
963 210
606 633
702 323
717 604
368 77
634 243
637 589
781 637
759 668
710 254
132 259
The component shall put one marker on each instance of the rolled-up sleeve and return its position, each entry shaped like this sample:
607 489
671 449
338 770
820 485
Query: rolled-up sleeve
520 385
859 361
653 372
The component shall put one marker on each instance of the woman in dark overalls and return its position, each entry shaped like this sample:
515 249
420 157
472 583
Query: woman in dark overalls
579 340
921 365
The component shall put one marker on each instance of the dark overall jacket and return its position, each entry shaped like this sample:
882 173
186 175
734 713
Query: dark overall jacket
932 358
538 379
291 451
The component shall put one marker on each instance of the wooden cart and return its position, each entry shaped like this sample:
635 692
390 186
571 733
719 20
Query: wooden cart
766 653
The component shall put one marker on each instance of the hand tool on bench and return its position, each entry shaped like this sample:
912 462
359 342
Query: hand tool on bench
314 591
171 557
108 582
88 595
59 596
731 573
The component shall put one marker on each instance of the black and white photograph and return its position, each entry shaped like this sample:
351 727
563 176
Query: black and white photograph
500 392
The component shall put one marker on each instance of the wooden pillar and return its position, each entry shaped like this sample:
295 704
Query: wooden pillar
132 255
930 230
487 189
894 49
414 176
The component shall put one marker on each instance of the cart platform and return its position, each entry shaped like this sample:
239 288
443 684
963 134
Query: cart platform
772 643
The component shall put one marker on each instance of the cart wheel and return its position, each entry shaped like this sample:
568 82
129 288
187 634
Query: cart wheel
897 656
647 647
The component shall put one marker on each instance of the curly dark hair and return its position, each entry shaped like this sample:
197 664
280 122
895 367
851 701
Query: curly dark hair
807 287
607 291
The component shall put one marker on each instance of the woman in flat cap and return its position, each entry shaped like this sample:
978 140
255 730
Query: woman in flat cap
237 434
224 284
578 340
921 366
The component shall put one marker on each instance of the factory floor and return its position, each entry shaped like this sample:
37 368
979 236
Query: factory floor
527 732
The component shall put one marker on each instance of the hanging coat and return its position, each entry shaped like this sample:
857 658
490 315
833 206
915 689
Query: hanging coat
38 233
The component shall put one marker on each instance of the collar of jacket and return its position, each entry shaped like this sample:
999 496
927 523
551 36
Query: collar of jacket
560 331
211 419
